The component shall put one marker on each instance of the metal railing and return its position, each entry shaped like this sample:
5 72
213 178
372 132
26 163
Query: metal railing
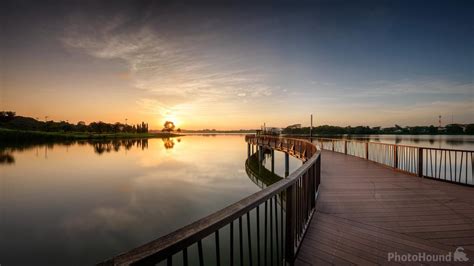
272 234
449 165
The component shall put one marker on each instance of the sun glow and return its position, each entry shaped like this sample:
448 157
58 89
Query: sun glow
173 118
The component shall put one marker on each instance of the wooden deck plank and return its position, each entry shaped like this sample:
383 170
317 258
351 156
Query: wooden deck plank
365 210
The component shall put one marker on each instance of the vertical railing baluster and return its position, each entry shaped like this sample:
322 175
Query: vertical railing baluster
265 235
440 163
185 256
420 162
289 235
201 256
276 228
232 243
258 235
271 231
281 228
455 165
218 252
466 165
249 239
241 244
169 261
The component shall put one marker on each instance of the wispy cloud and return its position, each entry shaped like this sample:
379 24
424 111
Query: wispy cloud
171 71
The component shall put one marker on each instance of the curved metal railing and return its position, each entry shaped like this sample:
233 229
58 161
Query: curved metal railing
272 233
449 165
261 176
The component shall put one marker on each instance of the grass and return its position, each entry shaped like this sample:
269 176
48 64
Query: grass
11 134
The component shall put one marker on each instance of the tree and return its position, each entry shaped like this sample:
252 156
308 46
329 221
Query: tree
470 129
454 129
6 116
168 126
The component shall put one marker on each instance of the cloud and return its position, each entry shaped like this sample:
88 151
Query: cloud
171 72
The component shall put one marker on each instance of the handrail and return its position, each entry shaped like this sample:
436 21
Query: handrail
299 190
399 145
450 165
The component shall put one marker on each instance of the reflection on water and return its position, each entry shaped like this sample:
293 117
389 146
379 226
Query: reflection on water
115 145
6 158
99 147
84 201
168 143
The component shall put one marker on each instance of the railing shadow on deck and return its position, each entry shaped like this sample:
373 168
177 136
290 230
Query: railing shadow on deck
450 165
277 230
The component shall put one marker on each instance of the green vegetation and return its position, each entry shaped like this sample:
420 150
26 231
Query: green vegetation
15 135
10 120
19 128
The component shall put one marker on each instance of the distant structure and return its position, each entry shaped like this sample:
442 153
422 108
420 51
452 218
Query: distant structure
294 126
273 130
439 120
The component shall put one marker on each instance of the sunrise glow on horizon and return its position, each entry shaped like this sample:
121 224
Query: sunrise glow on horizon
204 66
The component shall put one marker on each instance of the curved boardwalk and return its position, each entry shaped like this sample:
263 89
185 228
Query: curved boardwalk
365 211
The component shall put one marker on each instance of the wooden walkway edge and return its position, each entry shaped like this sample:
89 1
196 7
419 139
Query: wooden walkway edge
366 211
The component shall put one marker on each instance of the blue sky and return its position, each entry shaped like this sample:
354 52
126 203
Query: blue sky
238 64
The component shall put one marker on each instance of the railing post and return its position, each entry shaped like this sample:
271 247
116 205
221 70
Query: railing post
420 162
273 160
290 237
395 156
366 150
287 164
345 146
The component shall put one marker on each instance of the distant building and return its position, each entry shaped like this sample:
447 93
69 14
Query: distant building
294 126
270 131
273 130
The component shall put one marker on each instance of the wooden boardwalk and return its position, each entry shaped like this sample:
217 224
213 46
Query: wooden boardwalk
365 211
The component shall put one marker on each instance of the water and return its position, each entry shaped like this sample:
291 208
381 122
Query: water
82 202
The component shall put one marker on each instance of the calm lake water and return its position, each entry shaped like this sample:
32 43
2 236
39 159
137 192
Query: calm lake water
80 203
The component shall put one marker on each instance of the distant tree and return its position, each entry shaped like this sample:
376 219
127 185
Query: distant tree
179 130
454 129
168 126
469 129
432 129
6 116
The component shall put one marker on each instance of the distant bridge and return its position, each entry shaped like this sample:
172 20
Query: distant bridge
351 202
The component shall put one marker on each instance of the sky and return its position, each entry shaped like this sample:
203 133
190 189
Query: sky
237 64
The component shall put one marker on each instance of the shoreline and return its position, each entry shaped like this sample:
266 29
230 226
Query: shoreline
13 134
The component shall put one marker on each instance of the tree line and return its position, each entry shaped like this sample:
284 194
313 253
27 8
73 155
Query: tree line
10 120
415 130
